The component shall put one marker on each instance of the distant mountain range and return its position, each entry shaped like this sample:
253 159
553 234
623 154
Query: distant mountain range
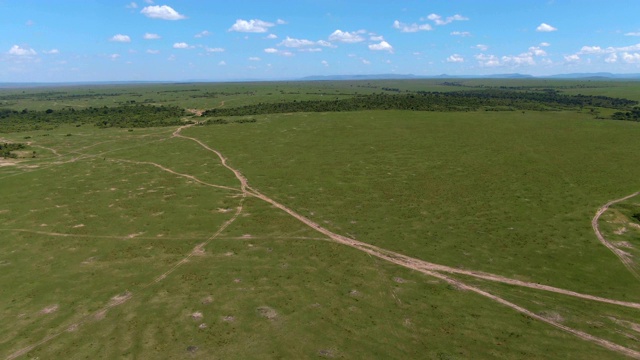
585 76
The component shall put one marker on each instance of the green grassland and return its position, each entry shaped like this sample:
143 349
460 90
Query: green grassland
139 243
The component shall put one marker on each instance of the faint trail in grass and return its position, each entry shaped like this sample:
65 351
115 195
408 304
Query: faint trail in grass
433 269
624 257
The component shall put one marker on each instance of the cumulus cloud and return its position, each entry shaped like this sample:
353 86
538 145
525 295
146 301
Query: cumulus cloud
612 58
222 63
162 12
51 52
272 36
634 33
270 50
296 43
150 36
153 52
365 61
487 60
381 46
280 22
202 34
410 28
591 50
460 33
631 58
544 27
455 58
21 51
544 44
376 38
254 58
251 26
213 50
114 56
516 60
324 63
481 47
537 51
346 37
181 45
132 5
439 20
120 38
572 58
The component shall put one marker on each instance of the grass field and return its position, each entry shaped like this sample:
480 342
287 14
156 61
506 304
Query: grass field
144 244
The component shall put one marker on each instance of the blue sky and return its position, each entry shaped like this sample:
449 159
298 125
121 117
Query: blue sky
174 40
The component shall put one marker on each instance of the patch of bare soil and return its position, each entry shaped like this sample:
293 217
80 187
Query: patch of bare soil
228 318
552 315
624 244
196 112
221 210
229 253
49 309
620 231
100 314
202 326
73 327
328 353
199 250
119 299
89 261
399 280
637 226
197 315
78 226
267 312
207 300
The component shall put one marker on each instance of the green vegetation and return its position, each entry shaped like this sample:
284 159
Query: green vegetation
7 148
126 238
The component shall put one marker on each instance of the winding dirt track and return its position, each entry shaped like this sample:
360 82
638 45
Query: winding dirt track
431 269
624 258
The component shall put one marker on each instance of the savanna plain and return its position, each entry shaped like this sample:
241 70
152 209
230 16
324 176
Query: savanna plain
431 219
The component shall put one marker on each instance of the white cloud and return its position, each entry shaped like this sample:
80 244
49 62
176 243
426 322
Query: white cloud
382 46
181 45
153 52
635 47
148 1
286 53
346 37
280 22
202 34
132 5
438 20
296 43
213 50
376 38
324 63
114 56
481 47
534 50
461 33
487 60
633 33
522 59
612 58
271 50
544 44
410 28
572 58
150 36
455 58
631 58
251 26
544 27
120 38
254 58
591 50
310 50
20 51
324 43
222 63
51 52
272 36
163 12
365 61
171 58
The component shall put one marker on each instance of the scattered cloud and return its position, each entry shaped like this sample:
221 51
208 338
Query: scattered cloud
455 58
544 44
544 27
171 58
251 26
182 45
612 58
213 50
21 51
132 5
347 37
460 33
120 38
572 58
631 58
300 43
222 63
324 63
162 12
151 36
376 38
272 36
382 46
202 34
591 50
279 52
487 60
153 52
271 50
481 47
411 28
51 52
516 60
635 33
310 50
438 20
254 58
281 22
365 61
537 51
150 2
114 56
